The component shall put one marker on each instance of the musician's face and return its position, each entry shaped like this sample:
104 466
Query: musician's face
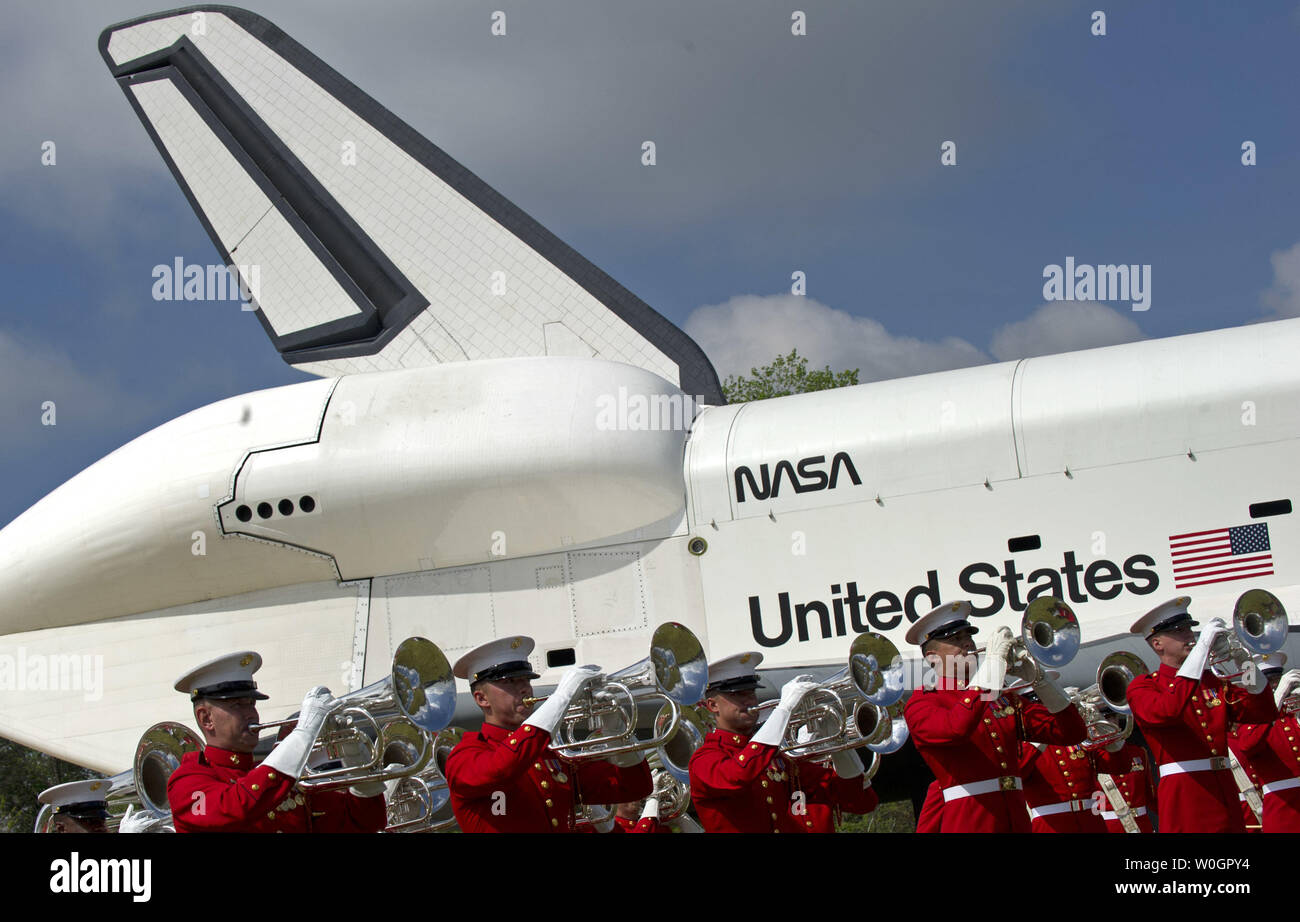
731 710
502 701
73 824
1173 646
953 656
225 723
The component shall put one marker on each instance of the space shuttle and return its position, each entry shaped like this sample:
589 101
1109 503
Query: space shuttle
499 439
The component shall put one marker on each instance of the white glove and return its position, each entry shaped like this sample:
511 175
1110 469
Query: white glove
1194 665
992 672
1286 685
651 808
1026 668
1051 695
847 765
290 756
773 729
548 716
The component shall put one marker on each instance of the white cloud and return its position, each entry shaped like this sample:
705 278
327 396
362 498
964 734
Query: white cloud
1063 326
751 330
1282 298
32 375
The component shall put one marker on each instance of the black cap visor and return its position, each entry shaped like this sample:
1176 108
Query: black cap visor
226 690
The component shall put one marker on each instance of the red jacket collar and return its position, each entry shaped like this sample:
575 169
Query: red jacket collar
729 739
224 758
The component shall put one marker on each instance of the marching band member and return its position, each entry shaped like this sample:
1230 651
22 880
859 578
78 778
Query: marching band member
505 778
219 789
1268 753
1060 782
1184 712
740 781
971 743
1127 767
77 806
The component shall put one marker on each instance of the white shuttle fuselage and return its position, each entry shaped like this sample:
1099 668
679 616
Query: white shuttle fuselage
323 522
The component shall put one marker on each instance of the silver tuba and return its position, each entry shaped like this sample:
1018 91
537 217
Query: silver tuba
1259 626
392 720
143 787
1049 638
421 802
1102 702
849 709
601 721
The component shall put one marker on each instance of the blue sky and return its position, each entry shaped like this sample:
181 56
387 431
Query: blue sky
775 153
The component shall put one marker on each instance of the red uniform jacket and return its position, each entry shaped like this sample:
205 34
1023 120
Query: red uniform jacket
1063 774
931 818
1184 720
1130 769
1271 753
510 781
739 786
965 739
220 791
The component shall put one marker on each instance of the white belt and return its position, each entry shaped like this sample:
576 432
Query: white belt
975 788
1070 806
1282 785
1218 763
1242 797
1111 815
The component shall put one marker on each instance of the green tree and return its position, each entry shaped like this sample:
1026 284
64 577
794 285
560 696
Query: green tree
788 374
24 773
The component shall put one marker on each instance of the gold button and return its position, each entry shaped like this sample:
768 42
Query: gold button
1208 738
735 739
994 734
234 758
528 728
554 822
545 785
513 741
270 814
753 746
256 788
807 822
773 816
1003 764
987 721
1067 774
998 748
270 776
742 757
764 784
769 800
548 802
537 765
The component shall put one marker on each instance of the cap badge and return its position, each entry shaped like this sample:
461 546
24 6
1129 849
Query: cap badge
245 661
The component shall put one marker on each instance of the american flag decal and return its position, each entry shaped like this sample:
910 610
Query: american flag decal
1220 555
